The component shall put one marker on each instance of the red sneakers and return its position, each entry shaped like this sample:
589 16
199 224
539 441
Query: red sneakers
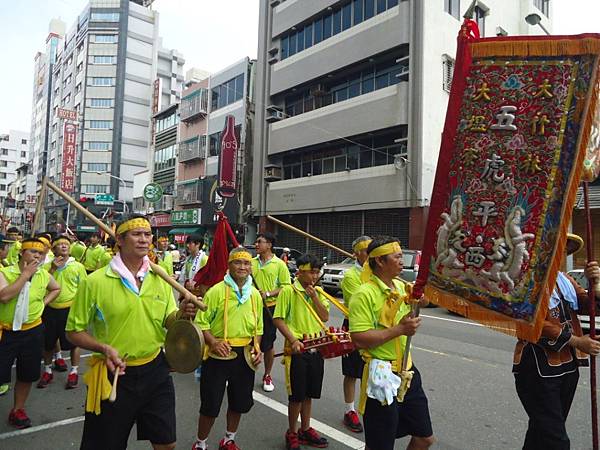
60 365
18 419
311 438
352 422
291 441
229 445
72 380
45 380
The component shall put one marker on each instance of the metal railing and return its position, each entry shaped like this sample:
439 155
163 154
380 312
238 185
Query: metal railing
189 193
193 149
194 104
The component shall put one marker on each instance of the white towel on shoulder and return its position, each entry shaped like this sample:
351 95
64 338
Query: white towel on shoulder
22 308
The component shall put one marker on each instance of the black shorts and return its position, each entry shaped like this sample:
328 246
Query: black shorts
236 375
55 321
146 397
352 364
306 376
269 330
385 424
26 348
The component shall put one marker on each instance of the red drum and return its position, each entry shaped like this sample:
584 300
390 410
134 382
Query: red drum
335 343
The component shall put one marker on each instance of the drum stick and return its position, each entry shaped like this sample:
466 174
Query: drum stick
113 390
155 267
310 236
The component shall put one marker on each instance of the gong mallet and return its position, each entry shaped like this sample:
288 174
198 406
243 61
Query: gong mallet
113 390
155 267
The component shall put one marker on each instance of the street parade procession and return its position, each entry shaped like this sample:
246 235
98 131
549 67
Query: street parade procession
122 320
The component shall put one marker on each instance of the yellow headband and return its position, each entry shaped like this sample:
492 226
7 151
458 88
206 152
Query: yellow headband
163 239
45 241
33 245
61 241
240 255
306 267
362 245
138 222
382 250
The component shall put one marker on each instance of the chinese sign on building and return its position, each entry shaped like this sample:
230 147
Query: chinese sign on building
186 217
68 157
506 182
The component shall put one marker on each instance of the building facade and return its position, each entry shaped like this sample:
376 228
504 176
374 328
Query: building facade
14 153
351 97
104 74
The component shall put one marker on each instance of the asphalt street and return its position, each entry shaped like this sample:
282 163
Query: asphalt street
466 372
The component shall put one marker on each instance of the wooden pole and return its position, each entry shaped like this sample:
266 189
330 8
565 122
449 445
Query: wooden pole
592 312
155 267
39 205
310 236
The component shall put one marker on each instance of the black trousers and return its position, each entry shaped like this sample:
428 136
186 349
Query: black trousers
547 402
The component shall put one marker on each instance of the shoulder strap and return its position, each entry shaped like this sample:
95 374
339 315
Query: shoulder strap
310 308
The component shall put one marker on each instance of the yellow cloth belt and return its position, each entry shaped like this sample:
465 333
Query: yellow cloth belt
62 305
24 327
97 382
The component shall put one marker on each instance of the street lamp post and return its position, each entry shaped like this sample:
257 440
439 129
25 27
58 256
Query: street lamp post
534 19
125 206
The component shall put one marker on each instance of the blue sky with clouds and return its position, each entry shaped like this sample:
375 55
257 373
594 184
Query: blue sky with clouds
211 34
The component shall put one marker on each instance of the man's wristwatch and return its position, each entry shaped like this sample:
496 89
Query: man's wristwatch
267 294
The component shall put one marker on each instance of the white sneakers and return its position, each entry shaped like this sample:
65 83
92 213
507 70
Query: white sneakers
268 385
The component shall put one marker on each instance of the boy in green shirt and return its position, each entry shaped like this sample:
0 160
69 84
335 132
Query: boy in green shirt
379 323
94 253
302 311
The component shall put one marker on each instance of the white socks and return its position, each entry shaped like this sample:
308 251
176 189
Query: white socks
200 445
349 407
57 355
229 436
74 369
48 368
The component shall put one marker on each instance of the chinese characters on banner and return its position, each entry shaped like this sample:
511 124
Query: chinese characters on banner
68 157
509 186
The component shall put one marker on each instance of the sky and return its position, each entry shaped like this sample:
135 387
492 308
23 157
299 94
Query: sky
211 35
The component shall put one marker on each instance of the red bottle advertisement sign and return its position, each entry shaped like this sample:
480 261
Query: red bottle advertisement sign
228 159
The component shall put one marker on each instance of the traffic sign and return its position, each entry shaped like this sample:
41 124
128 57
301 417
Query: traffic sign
153 192
104 200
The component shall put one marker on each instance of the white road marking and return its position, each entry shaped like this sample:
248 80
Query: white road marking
46 426
334 434
475 324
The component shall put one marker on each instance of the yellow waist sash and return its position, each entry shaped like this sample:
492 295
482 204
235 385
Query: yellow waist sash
97 382
24 327
63 305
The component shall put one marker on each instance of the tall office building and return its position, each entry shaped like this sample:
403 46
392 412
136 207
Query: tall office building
14 153
351 98
104 74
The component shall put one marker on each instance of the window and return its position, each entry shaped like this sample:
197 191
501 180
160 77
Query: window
327 22
104 38
104 17
369 9
229 92
285 47
164 158
104 59
479 17
96 146
23 141
2 175
98 167
300 40
94 189
103 81
452 7
308 36
167 122
3 163
78 88
292 50
357 9
2 187
543 6
23 154
337 21
101 102
347 16
448 67
101 124
68 80
318 30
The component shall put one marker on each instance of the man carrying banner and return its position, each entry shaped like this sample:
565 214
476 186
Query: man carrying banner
68 274
25 288
352 364
232 325
383 296
270 275
546 372
127 307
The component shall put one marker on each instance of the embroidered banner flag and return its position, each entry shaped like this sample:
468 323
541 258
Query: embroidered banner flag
518 126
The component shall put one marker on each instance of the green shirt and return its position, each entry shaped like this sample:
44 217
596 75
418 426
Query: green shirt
365 308
77 250
37 293
292 308
69 279
115 315
242 319
106 258
350 283
93 257
13 253
271 275
166 262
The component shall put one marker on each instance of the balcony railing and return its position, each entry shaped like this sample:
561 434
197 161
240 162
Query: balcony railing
193 105
189 193
193 149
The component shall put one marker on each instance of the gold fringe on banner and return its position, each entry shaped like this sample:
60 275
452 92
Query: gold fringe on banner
537 47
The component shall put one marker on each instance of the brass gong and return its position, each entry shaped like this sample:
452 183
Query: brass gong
184 346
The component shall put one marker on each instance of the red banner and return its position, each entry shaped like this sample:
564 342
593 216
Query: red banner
68 157
228 159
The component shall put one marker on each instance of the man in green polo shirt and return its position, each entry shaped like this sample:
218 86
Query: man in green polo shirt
301 310
163 255
270 275
94 253
232 325
352 364
25 288
68 274
382 342
121 313
15 236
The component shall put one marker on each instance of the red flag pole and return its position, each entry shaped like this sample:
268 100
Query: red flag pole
592 312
